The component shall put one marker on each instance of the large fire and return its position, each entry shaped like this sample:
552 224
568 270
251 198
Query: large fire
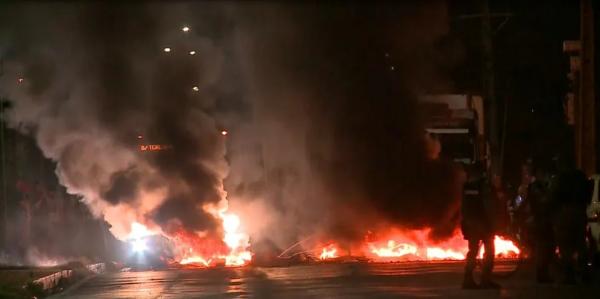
200 250
416 245
328 252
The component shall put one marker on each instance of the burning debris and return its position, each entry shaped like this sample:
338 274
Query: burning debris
196 249
330 154
170 178
329 252
402 245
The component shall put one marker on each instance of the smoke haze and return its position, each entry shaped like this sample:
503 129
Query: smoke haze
319 102
336 134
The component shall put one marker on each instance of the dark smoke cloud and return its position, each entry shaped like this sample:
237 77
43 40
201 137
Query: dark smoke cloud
341 143
96 78
324 131
123 186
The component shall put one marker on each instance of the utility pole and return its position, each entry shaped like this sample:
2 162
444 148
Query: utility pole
581 104
586 108
3 166
489 86
488 82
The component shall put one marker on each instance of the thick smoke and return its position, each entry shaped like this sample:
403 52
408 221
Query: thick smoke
98 85
336 145
319 100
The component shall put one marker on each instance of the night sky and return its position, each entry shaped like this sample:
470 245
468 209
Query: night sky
320 102
530 69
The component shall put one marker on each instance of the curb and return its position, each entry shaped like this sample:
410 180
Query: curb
73 287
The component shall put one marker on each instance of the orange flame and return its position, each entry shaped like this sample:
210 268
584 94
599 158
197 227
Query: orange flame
416 245
206 251
393 249
436 253
328 252
504 248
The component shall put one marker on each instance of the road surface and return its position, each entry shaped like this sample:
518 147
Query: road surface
400 280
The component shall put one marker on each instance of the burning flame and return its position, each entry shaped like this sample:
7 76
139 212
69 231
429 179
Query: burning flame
328 252
416 245
436 253
394 250
504 248
232 250
139 231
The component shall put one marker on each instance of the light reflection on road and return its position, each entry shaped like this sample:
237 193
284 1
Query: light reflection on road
423 279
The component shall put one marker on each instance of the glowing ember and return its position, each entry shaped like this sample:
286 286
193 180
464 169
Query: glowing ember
328 252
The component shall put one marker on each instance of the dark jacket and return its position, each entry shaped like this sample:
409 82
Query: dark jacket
478 209
571 188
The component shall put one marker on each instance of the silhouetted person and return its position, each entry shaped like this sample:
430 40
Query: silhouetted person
523 210
478 226
500 198
543 215
570 197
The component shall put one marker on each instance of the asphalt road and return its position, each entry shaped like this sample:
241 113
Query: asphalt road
400 280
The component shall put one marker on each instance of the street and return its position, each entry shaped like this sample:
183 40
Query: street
398 280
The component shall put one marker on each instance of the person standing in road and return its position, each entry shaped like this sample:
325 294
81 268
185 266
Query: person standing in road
478 226
571 194
543 236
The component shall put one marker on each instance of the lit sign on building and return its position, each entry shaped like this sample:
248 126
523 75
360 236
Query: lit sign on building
154 147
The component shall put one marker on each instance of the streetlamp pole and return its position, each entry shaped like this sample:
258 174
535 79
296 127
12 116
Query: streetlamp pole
3 166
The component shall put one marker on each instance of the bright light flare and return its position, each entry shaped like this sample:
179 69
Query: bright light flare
192 52
20 80
195 88
224 133
231 222
167 49
139 245
185 29
138 231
